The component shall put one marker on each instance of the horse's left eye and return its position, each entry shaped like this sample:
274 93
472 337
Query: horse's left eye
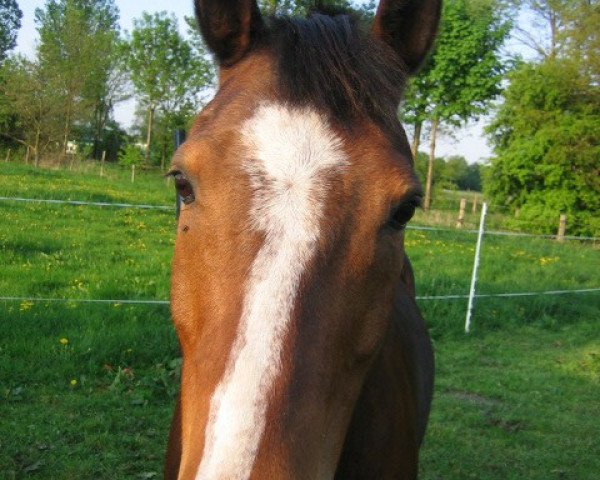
402 214
184 188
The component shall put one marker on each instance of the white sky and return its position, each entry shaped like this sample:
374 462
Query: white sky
468 141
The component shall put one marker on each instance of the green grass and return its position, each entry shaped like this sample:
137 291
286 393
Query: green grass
520 403
86 391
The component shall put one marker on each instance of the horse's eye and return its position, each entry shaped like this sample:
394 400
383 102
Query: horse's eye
184 188
402 214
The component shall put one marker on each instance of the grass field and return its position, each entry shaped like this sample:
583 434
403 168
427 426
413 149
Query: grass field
86 391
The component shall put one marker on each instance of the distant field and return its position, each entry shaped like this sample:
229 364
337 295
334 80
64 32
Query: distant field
86 391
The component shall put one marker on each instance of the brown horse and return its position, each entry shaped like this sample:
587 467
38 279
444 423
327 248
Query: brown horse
304 353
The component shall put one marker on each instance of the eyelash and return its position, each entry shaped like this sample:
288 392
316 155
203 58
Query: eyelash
402 214
184 187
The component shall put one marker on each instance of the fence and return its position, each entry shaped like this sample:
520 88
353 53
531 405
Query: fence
471 296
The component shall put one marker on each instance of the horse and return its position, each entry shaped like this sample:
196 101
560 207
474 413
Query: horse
305 355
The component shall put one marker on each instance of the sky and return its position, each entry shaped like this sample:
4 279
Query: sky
468 142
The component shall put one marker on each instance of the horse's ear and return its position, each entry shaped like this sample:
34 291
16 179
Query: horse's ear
229 27
409 27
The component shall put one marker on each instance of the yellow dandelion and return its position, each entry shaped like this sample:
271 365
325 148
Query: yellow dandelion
25 305
548 260
73 382
64 341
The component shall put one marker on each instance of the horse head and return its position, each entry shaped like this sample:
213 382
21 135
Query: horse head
304 354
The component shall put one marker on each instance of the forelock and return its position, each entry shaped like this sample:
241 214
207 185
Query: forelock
330 62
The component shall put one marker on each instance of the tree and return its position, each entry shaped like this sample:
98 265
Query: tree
471 180
452 173
546 134
546 140
30 115
416 105
107 86
541 34
421 168
455 169
10 22
77 43
207 74
166 71
463 74
582 36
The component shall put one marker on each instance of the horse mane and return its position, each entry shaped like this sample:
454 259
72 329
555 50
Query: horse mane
330 61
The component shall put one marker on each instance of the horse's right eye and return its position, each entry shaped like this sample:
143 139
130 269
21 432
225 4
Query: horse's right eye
184 188
402 214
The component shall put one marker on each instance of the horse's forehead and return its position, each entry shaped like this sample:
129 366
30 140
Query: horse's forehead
238 113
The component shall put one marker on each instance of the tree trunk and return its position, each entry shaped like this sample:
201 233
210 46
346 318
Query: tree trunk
434 127
416 140
149 135
66 132
97 127
37 148
553 32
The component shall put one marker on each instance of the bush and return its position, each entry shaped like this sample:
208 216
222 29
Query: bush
130 155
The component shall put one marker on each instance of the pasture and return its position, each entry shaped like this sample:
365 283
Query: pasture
86 390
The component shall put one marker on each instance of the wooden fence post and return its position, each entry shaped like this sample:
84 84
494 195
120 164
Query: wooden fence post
27 156
474 204
102 163
562 227
132 173
7 156
461 213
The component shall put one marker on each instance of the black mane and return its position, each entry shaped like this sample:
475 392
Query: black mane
330 61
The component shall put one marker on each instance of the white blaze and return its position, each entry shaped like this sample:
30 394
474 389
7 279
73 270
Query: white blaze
292 154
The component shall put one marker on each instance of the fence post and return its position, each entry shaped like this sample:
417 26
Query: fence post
132 173
562 227
474 204
27 156
7 156
475 268
461 213
102 163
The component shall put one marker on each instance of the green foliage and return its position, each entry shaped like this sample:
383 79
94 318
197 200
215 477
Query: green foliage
463 74
78 55
202 57
161 62
130 155
29 111
10 22
465 70
67 92
547 145
111 139
452 173
168 73
471 179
